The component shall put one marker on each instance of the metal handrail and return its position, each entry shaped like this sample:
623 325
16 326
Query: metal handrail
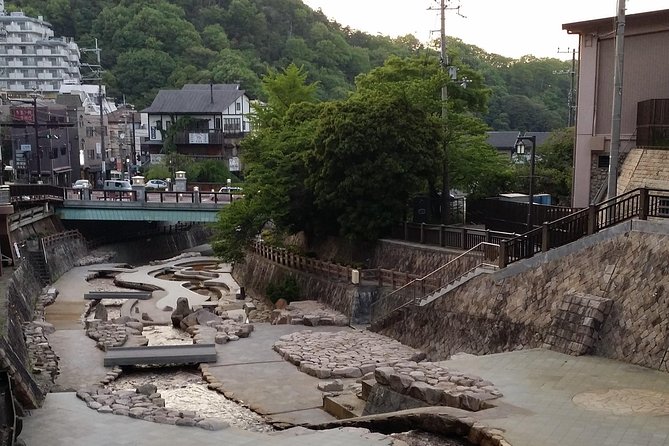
427 277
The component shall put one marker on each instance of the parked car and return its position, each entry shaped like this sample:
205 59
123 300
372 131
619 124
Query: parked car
157 184
230 190
82 184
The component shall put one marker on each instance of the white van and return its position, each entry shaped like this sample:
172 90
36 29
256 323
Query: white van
117 185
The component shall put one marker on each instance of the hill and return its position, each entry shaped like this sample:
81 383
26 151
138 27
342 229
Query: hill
152 44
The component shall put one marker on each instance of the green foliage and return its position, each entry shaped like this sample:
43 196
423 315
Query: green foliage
157 171
237 226
287 289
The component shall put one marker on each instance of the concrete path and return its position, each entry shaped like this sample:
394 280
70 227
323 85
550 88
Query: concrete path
80 362
551 399
66 421
273 387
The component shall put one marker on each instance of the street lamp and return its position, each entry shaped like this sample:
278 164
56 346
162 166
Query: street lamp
520 150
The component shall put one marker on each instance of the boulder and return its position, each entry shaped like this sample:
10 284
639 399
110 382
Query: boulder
101 312
281 304
203 316
188 321
181 311
147 389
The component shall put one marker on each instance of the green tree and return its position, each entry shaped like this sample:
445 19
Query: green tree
371 154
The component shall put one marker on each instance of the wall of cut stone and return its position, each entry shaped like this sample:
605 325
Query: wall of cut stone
62 255
515 307
257 272
410 257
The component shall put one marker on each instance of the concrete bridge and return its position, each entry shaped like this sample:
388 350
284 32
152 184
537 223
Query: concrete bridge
135 205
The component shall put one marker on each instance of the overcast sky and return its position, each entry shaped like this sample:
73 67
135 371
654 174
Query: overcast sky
511 28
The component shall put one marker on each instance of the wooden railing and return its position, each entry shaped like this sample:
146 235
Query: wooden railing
640 203
482 254
302 263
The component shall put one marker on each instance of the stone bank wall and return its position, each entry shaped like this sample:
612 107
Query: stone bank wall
17 306
516 307
411 257
63 254
257 272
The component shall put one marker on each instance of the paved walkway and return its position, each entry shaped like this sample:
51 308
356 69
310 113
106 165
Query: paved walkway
555 399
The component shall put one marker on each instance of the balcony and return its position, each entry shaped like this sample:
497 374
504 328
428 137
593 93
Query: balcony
204 137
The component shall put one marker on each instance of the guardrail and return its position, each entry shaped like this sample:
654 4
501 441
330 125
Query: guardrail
22 218
641 203
457 237
483 254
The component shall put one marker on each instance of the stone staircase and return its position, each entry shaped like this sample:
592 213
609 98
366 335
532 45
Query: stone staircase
36 260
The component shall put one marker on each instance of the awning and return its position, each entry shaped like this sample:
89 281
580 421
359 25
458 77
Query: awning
61 169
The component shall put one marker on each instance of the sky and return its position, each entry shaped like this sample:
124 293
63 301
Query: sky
511 28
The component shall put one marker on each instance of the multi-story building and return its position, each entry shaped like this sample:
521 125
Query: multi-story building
211 118
32 58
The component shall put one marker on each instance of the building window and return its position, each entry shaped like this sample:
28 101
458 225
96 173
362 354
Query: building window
91 154
238 106
217 123
90 131
232 125
603 161
63 150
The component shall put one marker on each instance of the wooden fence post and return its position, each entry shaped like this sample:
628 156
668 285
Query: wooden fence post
441 236
422 233
463 238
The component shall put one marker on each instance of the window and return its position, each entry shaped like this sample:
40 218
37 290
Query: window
63 150
232 125
217 123
91 154
238 106
159 125
90 131
603 161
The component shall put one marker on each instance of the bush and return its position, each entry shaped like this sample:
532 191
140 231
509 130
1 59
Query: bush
287 289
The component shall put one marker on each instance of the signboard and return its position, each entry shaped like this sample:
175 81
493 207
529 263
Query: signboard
233 164
153 134
198 138
98 148
156 158
25 148
24 114
20 160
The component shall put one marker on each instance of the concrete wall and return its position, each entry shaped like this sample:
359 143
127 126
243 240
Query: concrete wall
515 307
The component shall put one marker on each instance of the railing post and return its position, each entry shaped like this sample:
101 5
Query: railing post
406 231
463 238
643 204
502 254
545 238
592 219
422 233
441 235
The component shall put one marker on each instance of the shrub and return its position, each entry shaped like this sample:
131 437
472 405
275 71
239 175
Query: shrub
287 289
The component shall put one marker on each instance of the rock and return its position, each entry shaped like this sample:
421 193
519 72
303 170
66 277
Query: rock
400 382
331 386
182 310
203 316
105 409
138 326
101 312
185 422
382 375
346 372
221 338
311 320
146 317
244 331
281 304
188 321
94 405
213 424
147 389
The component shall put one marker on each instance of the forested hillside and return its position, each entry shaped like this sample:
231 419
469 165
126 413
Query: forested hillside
152 44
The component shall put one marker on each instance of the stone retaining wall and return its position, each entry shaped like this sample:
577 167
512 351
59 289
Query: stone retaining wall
411 258
516 307
257 272
62 255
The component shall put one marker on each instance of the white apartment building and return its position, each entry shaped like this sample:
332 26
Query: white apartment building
31 58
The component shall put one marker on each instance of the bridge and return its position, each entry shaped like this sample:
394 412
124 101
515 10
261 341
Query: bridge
136 205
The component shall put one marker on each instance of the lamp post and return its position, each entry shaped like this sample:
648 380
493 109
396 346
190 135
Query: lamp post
520 149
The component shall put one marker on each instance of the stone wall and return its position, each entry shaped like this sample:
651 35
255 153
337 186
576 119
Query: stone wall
17 306
515 307
63 254
644 167
257 272
410 258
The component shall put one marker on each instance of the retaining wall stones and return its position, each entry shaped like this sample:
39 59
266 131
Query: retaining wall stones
63 255
516 307
257 272
411 258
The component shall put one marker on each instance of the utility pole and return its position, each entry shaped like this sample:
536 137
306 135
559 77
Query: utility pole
97 72
571 98
445 187
35 126
612 186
